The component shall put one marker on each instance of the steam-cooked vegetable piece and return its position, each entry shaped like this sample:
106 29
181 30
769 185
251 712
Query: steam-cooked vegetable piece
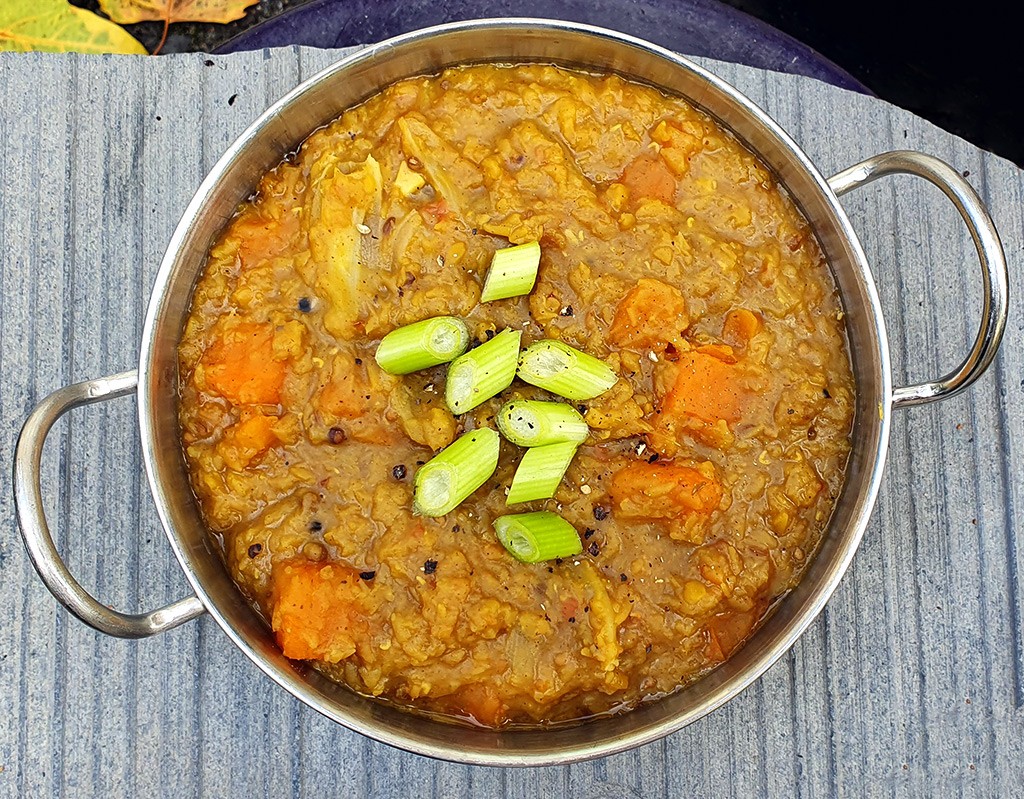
240 365
318 610
456 472
651 315
513 272
663 491
540 471
533 537
422 345
704 386
481 373
564 370
534 423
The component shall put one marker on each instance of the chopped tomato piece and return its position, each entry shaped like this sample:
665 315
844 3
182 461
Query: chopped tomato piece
663 491
240 366
316 610
652 315
434 212
648 176
569 608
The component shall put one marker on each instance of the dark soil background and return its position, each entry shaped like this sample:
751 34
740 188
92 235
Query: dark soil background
960 67
957 65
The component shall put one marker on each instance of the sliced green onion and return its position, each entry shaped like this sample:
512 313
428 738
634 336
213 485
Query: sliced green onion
563 370
422 344
540 471
513 272
532 537
455 472
534 423
481 373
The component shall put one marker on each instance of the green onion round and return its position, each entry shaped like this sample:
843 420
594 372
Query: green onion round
483 372
540 471
534 423
513 272
533 537
564 370
422 345
456 472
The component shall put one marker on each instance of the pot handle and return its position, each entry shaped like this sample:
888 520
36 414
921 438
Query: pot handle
990 252
28 502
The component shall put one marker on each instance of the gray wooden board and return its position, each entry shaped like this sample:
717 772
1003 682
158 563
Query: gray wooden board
911 683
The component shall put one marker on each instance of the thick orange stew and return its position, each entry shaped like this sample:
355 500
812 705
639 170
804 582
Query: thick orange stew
710 467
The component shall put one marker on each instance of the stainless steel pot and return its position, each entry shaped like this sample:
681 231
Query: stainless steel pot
320 100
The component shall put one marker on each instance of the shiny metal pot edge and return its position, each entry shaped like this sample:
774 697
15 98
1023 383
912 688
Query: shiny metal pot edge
280 130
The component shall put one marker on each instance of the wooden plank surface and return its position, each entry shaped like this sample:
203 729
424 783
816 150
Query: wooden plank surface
911 683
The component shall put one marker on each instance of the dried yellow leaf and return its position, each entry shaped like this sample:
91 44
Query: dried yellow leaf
127 12
55 26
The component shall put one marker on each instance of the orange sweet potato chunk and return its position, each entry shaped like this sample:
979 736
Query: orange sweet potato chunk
647 176
726 631
663 491
740 327
355 397
263 237
481 702
247 439
347 395
651 316
706 387
256 432
316 610
240 365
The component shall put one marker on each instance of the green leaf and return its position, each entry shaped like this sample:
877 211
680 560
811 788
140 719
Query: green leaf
55 26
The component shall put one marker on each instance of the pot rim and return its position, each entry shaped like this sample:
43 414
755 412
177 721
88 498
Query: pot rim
722 692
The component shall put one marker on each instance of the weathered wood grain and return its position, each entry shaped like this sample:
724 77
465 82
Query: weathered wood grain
910 684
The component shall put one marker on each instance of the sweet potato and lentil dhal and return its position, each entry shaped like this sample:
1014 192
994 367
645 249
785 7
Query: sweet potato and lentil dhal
710 468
